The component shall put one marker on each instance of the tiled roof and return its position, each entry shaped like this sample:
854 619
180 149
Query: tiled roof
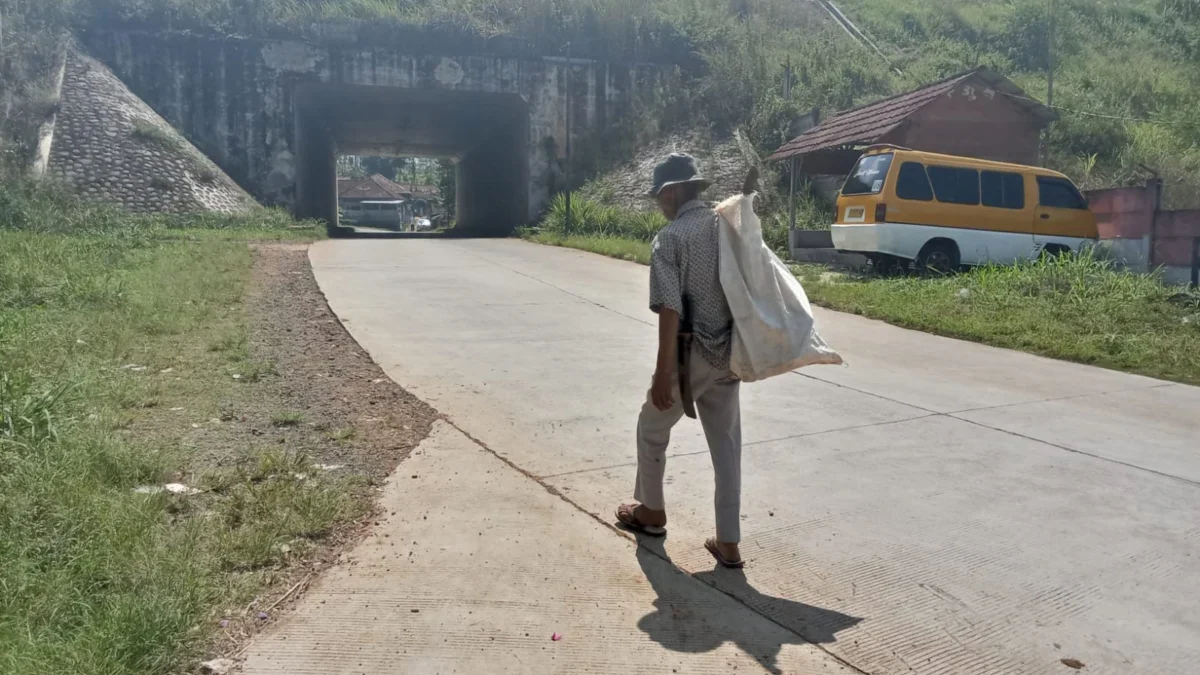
374 187
421 191
379 187
868 124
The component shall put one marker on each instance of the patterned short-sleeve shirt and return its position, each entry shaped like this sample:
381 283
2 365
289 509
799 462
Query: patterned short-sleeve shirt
685 260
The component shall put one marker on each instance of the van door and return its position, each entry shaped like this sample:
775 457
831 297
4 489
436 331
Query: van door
1062 219
1007 213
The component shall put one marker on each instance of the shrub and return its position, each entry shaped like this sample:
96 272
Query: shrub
592 218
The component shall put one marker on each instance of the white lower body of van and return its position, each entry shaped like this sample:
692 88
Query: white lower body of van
973 247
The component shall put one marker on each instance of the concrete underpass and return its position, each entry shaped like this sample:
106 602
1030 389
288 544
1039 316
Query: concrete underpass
486 135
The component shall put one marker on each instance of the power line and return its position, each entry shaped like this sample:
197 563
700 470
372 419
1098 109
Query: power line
1086 113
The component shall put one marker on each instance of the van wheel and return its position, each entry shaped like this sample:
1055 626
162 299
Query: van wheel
939 256
889 265
1055 251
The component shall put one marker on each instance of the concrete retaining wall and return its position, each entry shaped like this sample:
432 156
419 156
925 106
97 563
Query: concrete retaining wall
1144 236
235 99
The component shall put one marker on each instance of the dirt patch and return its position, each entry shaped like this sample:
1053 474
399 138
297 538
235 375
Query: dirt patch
310 392
351 413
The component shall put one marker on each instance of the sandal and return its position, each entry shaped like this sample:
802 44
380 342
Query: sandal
627 517
711 547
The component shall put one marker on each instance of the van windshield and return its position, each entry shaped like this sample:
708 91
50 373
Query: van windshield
868 175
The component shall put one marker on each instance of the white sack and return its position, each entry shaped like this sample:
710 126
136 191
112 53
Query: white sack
773 328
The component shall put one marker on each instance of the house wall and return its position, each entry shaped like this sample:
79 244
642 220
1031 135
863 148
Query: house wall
973 121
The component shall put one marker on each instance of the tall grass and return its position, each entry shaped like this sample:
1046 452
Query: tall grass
45 207
1078 308
596 220
96 578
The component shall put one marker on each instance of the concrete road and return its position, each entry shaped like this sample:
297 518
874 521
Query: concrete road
936 507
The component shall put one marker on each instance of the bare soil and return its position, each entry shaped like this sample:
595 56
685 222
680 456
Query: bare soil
319 395
352 413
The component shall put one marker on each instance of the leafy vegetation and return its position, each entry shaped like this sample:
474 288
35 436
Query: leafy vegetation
597 221
1127 74
633 250
1077 308
1127 71
99 327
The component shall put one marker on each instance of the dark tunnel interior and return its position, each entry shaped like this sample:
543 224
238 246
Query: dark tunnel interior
486 135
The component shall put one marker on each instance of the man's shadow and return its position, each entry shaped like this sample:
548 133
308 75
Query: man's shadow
695 618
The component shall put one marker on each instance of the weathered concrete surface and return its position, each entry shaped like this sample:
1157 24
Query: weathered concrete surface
983 511
478 566
108 146
274 114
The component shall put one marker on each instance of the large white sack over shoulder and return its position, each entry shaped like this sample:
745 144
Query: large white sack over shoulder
773 327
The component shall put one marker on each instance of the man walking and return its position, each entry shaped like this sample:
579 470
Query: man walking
692 375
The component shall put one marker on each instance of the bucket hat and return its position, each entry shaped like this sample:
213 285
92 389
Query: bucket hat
676 169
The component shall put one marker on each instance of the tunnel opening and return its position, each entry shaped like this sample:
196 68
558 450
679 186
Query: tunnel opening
484 134
396 195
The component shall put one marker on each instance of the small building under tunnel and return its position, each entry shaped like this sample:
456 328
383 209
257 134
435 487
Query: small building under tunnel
485 134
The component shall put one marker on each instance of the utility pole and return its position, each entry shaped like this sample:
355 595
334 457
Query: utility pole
412 186
567 224
1051 59
1051 56
787 96
787 79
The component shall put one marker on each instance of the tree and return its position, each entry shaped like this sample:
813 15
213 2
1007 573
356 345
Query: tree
446 183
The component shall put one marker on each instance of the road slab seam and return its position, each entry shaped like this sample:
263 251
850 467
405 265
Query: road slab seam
561 290
1077 452
1062 398
745 445
662 556
955 416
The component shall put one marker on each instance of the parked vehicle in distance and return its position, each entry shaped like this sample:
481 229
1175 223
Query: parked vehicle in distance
384 214
901 207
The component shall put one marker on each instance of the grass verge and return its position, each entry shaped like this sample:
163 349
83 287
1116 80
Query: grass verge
633 250
100 329
1074 308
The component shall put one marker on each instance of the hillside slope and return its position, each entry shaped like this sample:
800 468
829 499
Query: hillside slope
1127 73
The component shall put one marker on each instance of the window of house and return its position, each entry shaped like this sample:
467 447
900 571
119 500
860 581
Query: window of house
1060 194
953 185
1001 189
913 184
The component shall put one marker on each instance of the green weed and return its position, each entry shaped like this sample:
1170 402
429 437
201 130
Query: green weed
95 306
1076 308
342 435
151 134
287 419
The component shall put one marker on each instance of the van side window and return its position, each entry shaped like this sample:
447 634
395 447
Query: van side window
955 186
913 184
1059 194
1002 189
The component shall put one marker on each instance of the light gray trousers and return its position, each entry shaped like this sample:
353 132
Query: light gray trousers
719 407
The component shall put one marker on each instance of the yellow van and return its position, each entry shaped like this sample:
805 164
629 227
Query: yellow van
899 206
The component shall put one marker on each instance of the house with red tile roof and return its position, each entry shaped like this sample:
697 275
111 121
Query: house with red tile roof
979 113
